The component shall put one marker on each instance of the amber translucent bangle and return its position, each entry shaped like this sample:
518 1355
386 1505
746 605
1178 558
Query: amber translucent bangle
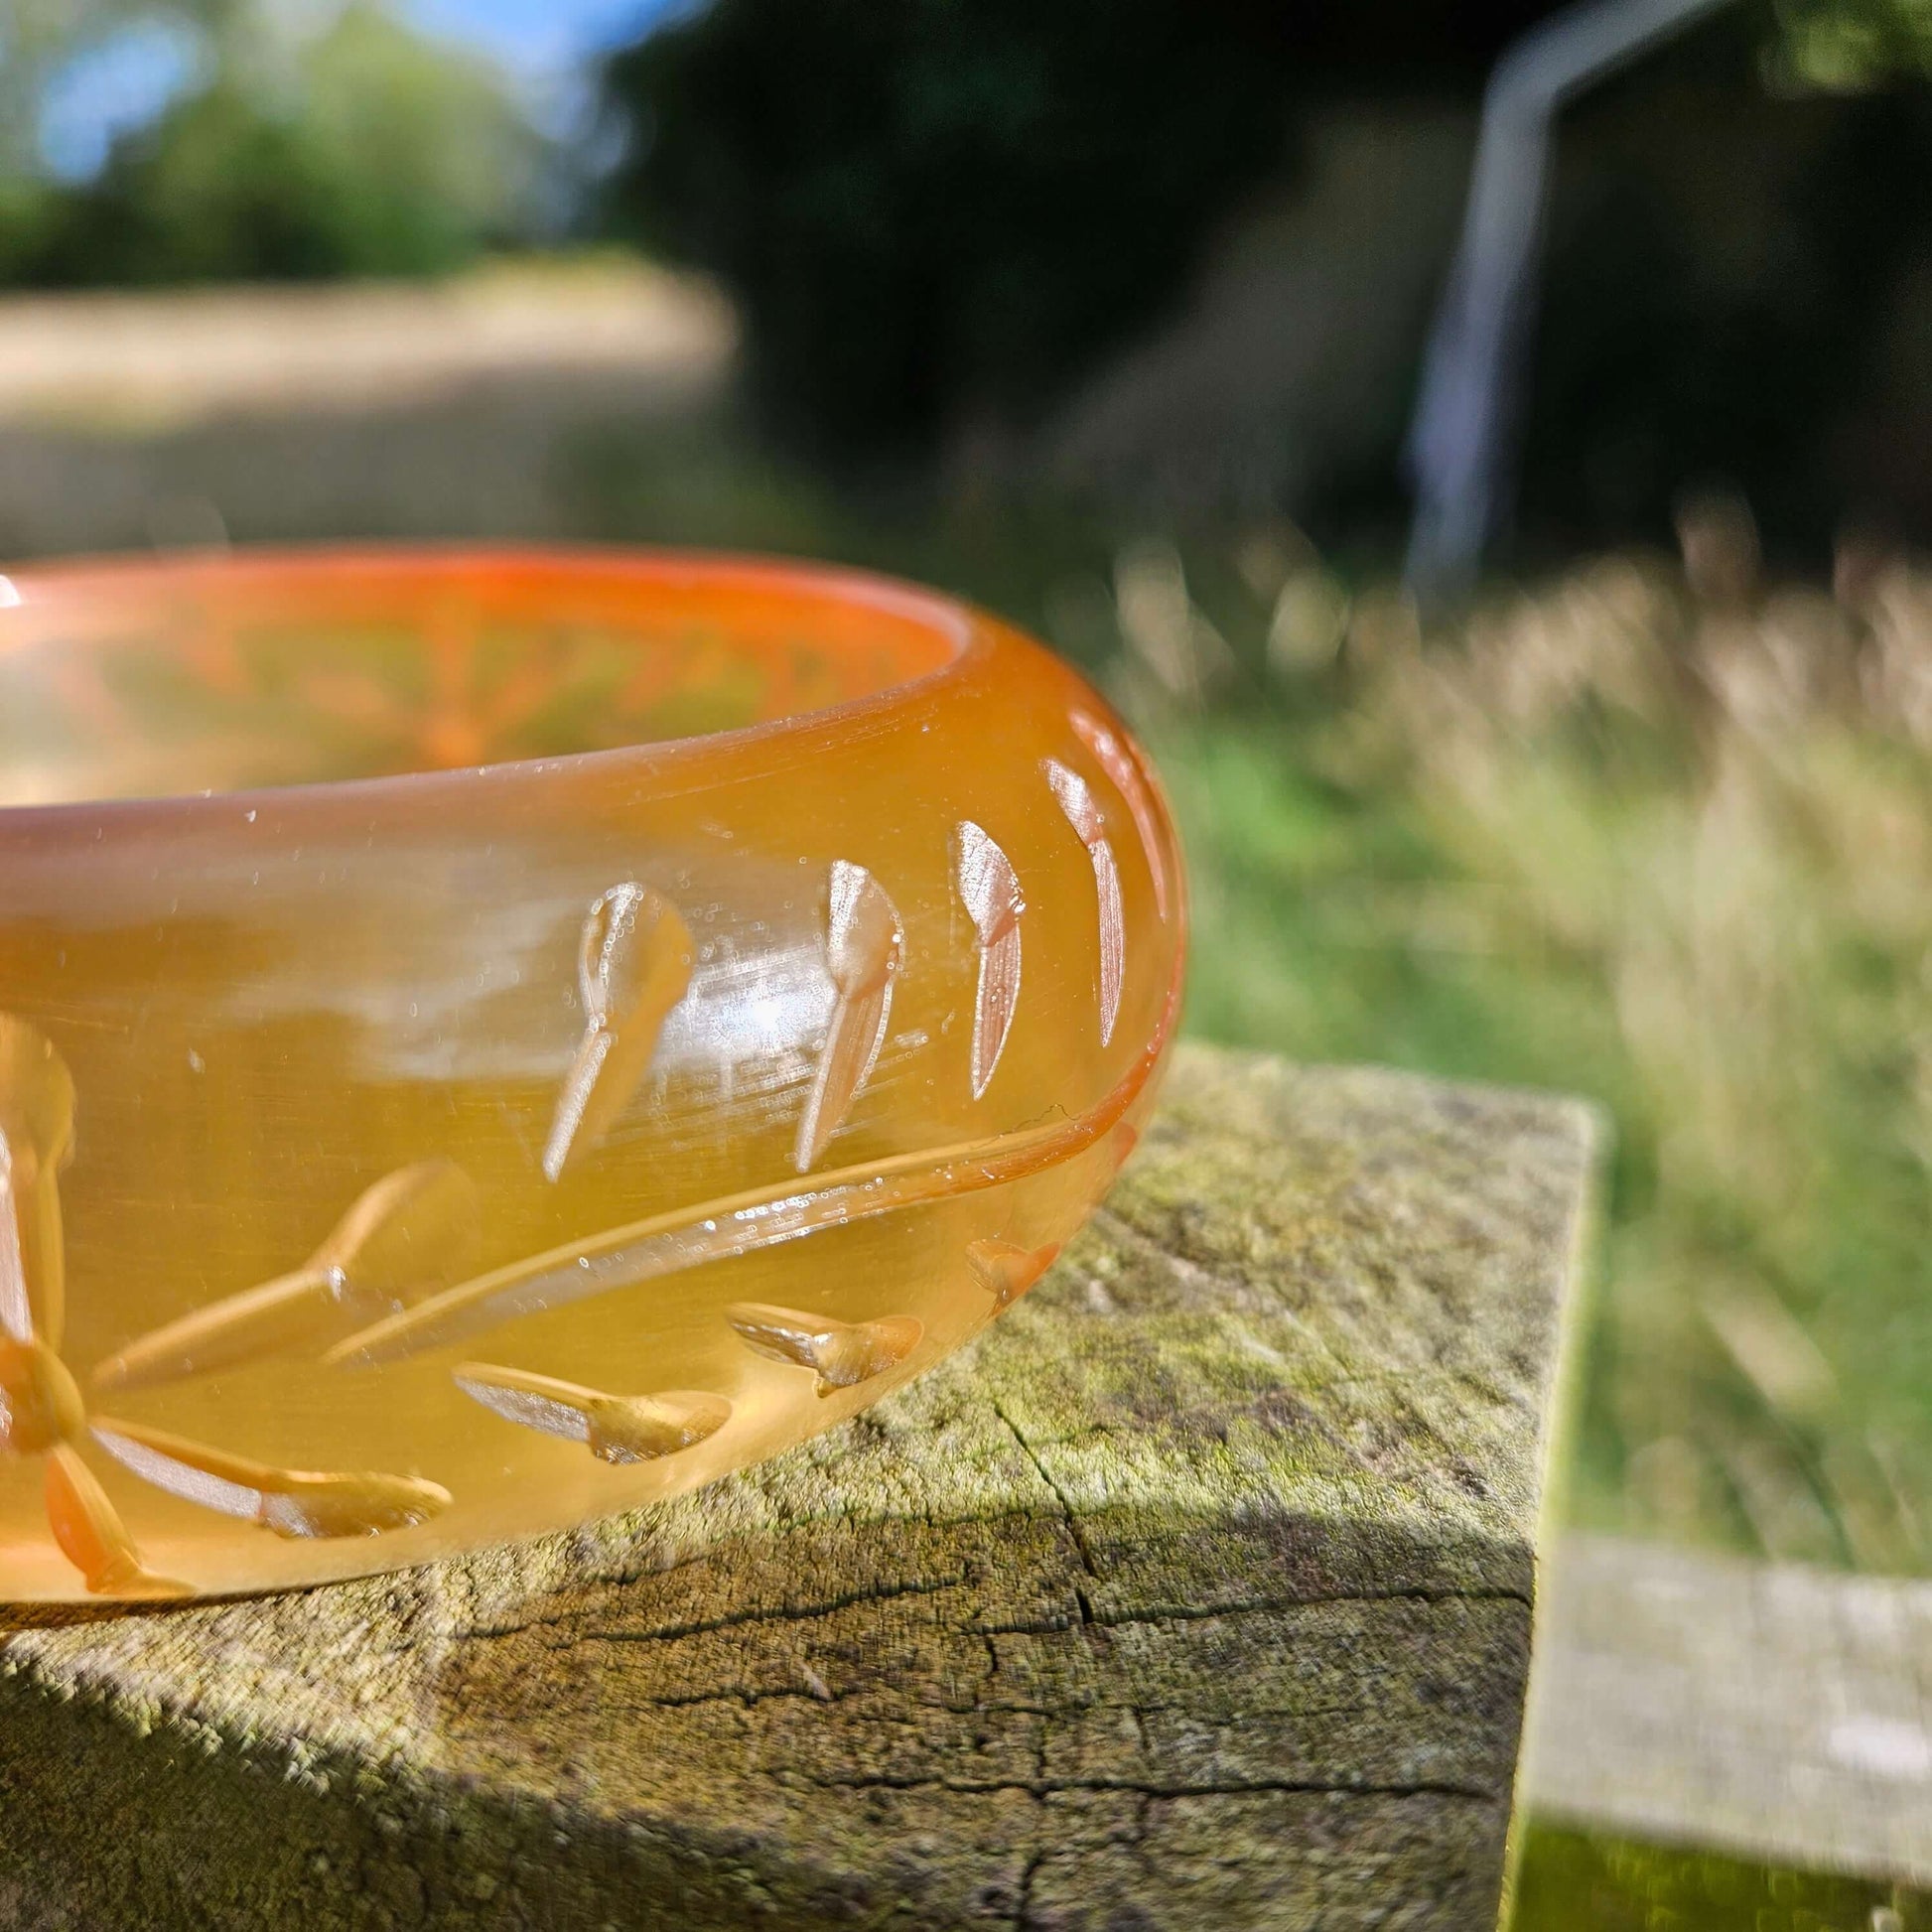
487 1040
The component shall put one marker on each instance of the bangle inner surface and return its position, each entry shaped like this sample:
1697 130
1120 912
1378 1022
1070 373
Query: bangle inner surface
173 678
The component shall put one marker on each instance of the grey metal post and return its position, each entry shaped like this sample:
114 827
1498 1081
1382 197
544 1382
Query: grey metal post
1459 446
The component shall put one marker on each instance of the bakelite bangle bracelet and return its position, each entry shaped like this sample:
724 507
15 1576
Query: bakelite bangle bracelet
487 1040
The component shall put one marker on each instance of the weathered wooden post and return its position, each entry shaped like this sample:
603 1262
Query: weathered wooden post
1196 1594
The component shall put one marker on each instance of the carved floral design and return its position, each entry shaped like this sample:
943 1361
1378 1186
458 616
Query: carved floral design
41 1412
389 1281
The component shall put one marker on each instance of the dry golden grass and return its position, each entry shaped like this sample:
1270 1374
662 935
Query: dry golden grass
1660 832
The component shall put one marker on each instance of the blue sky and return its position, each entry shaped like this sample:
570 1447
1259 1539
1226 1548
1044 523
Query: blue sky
542 43
545 38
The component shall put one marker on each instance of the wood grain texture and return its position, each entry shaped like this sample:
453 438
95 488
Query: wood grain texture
1195 1593
1768 1711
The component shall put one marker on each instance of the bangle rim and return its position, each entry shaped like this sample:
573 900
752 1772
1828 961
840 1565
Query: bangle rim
969 638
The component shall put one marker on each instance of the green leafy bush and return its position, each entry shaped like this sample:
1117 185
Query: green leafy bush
1850 42
371 151
936 214
936 211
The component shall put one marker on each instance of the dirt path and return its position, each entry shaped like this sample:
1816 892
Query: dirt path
154 360
487 406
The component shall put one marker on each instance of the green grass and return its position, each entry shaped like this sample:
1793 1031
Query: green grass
1544 854
1608 838
1569 1879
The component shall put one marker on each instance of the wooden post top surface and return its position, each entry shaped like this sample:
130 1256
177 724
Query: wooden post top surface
1196 1592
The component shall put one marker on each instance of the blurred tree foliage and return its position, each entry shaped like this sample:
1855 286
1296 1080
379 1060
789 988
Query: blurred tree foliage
366 149
1852 43
1737 289
39 37
935 212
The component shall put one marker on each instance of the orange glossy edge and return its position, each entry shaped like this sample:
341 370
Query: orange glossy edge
521 576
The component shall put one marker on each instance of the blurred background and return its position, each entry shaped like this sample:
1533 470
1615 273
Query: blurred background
1117 318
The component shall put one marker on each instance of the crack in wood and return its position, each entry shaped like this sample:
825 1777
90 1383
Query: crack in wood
1045 1788
1113 1620
730 1620
1074 1527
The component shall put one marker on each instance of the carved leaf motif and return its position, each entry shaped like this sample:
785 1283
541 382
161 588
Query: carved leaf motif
1117 762
16 1305
694 1233
730 1225
412 1232
414 1228
1113 937
1076 802
35 1093
989 888
863 945
291 1502
634 965
36 1142
39 1403
842 1354
1075 798
92 1537
1005 1269
614 1428
282 1314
